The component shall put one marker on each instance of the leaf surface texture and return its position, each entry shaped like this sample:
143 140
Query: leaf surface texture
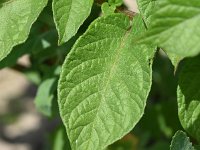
104 82
17 17
69 15
174 26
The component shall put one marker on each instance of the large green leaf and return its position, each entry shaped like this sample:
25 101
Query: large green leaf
180 141
105 82
189 96
174 26
69 15
16 17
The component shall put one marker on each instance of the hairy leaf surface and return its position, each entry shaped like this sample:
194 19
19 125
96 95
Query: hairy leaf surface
174 26
16 17
189 96
180 141
69 15
105 82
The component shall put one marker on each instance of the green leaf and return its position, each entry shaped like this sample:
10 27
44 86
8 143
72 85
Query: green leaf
115 2
45 95
174 27
17 17
60 141
104 83
175 59
69 15
107 9
188 94
180 141
147 9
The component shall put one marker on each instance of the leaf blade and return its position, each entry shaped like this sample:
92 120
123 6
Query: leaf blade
97 75
180 141
147 9
69 16
45 95
188 97
175 27
16 19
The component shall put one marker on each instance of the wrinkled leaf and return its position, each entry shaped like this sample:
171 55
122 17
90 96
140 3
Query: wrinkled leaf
105 82
17 17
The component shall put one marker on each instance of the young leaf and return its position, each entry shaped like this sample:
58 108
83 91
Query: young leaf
189 96
105 82
180 141
174 27
69 15
16 18
45 95
107 9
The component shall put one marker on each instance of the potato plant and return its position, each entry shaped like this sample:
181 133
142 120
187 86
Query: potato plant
103 64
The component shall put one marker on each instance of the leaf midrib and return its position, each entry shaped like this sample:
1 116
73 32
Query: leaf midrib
123 41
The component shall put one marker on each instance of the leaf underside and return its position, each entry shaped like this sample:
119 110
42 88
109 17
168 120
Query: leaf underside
16 19
105 82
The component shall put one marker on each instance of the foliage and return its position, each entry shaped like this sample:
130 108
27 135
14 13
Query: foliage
111 63
181 141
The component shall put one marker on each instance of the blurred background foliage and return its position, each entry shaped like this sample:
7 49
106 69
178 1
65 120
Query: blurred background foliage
153 132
